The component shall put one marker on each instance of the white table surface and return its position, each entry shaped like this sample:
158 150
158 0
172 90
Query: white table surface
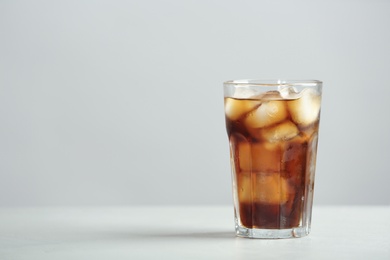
180 232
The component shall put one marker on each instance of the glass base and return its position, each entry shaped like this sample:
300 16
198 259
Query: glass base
272 233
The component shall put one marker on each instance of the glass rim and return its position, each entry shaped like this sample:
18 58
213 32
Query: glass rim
272 82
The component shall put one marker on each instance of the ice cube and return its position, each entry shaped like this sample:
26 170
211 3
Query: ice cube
294 160
271 189
259 157
288 92
305 110
308 131
244 186
271 95
244 93
263 187
280 132
235 108
268 113
245 156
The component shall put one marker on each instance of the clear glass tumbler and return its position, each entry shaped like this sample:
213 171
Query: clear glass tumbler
272 127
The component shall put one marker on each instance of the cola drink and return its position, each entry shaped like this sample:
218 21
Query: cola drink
273 134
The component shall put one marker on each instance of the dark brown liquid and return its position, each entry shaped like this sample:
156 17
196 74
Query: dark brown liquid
275 216
270 172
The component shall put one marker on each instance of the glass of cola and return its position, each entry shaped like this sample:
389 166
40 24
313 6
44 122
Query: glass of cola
272 126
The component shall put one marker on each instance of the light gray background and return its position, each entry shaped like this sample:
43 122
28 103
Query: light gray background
120 102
